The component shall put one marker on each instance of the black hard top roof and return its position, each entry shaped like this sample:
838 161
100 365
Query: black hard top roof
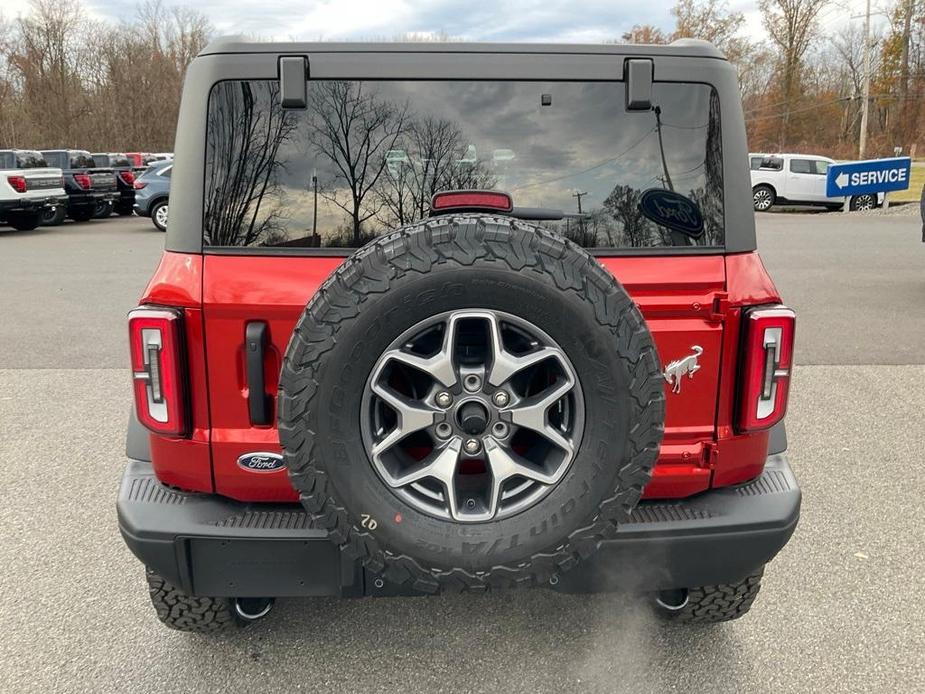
692 48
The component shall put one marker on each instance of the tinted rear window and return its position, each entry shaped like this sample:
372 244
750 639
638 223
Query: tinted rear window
365 157
82 160
27 159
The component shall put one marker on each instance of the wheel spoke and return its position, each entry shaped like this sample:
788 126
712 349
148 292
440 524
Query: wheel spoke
504 364
438 366
441 466
412 417
530 413
506 464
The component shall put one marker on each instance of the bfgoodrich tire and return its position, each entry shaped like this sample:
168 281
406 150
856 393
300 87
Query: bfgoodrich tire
184 612
531 283
710 604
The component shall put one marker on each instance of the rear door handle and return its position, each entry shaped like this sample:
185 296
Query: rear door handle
255 347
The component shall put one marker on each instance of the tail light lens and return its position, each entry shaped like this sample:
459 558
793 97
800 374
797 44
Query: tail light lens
156 342
456 200
139 185
127 177
18 183
764 381
83 180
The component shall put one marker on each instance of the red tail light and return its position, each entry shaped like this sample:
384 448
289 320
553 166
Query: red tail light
83 180
764 381
18 183
139 185
128 177
455 200
155 339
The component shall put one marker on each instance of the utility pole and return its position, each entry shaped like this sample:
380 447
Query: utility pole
901 131
865 104
315 213
581 220
661 147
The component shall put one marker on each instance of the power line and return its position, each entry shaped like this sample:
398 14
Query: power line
798 110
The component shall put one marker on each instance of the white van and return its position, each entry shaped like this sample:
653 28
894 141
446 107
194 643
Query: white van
798 179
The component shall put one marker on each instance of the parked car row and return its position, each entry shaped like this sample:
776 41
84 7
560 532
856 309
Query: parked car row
45 187
798 179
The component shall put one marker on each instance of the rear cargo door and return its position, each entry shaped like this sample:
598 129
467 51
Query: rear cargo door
290 193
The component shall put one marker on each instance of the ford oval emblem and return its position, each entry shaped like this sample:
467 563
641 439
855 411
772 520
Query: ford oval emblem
672 210
261 462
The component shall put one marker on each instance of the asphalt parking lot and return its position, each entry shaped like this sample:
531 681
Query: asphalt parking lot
840 608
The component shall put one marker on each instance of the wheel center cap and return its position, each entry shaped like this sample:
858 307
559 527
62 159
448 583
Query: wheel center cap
473 417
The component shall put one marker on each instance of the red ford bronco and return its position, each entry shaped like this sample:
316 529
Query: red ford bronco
458 317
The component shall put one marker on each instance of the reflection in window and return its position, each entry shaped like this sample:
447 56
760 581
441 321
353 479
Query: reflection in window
368 156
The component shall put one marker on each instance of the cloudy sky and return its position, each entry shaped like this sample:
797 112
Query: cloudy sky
520 20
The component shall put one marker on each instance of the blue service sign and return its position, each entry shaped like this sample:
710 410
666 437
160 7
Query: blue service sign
871 176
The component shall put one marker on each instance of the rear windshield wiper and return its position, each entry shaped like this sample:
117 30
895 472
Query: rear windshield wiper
538 214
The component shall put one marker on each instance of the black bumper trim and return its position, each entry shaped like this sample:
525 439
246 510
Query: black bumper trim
210 545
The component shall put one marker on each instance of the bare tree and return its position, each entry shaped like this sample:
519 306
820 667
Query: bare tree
431 155
645 33
791 24
354 129
623 205
244 135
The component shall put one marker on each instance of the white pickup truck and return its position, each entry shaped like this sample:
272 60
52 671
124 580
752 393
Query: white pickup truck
798 179
28 188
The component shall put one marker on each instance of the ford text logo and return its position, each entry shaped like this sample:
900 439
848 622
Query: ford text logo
261 462
673 211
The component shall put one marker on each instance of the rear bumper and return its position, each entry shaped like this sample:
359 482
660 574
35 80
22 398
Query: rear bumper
33 204
209 545
91 199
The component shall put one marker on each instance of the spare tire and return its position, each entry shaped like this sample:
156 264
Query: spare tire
470 402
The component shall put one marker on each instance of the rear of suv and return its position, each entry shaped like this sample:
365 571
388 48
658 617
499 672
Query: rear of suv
456 318
125 182
88 187
29 188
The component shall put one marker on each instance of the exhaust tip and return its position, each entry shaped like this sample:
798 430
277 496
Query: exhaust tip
672 600
252 609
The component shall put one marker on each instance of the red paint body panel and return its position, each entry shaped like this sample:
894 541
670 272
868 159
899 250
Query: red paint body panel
739 458
240 289
748 281
177 281
686 300
185 463
677 302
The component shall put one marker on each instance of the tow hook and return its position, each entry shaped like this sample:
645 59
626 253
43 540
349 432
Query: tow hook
252 609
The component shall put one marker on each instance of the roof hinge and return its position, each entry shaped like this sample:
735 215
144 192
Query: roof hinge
709 455
720 306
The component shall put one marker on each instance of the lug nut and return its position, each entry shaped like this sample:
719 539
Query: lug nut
472 446
501 399
444 399
444 430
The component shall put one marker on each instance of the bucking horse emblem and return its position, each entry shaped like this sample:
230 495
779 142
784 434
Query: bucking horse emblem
676 370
